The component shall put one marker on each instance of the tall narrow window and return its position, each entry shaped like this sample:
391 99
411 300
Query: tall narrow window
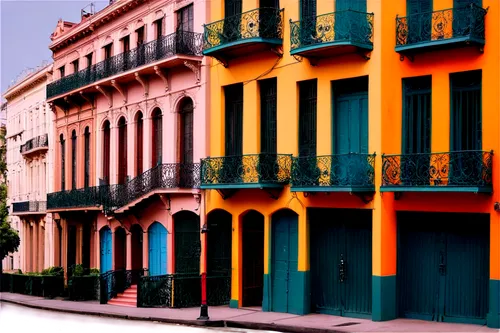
157 138
140 36
268 118
307 117
140 46
106 151
185 19
73 159
308 22
139 143
122 150
87 157
63 162
159 28
186 130
107 51
75 65
126 43
234 119
232 23
89 59
61 71
419 13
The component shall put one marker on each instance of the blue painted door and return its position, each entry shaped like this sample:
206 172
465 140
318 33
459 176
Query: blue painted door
284 262
106 248
157 240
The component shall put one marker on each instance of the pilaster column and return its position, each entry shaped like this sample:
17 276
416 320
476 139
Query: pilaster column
145 250
147 142
79 243
129 250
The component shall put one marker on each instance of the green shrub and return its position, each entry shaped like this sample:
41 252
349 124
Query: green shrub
78 270
94 271
54 271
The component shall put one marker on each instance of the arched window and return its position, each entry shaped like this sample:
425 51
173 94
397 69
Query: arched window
157 137
73 159
87 157
106 151
186 131
122 150
63 157
139 143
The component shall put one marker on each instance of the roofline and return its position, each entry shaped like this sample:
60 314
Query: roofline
31 78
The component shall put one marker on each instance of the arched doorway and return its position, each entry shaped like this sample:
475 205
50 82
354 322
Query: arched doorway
187 243
219 249
106 243
137 233
157 241
120 249
284 262
253 258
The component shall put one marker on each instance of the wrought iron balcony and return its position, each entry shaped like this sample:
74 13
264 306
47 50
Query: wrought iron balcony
182 42
460 171
246 171
334 173
162 177
243 33
29 207
96 196
41 141
334 33
441 29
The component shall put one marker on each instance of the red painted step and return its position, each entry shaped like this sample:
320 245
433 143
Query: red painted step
127 298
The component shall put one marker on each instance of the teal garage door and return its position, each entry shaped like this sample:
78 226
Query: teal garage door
284 262
443 266
341 262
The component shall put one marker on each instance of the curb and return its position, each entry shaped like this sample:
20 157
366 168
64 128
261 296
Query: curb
192 323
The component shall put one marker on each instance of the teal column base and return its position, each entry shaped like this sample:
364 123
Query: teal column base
299 301
384 298
266 299
493 317
233 303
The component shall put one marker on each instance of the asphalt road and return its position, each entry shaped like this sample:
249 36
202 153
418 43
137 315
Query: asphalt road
16 318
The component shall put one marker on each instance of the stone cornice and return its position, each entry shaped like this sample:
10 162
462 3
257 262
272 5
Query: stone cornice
28 83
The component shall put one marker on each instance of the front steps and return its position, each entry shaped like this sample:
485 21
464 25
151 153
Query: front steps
127 298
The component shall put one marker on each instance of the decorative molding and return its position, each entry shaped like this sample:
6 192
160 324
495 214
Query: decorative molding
163 76
119 88
144 83
105 94
195 66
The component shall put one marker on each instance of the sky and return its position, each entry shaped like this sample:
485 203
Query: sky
25 28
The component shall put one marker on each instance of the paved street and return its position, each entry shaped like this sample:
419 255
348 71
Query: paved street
24 319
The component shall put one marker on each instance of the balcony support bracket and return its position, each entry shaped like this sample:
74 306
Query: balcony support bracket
106 94
274 193
222 61
166 201
407 56
195 66
120 90
144 83
364 55
226 193
313 61
88 100
366 197
398 195
71 102
278 50
163 76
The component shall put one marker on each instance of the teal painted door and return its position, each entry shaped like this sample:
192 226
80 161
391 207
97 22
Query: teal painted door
443 266
106 249
348 22
350 133
284 263
341 262
157 241
187 243
419 20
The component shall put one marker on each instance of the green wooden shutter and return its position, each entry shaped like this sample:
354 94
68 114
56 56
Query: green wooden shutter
307 22
357 5
268 117
307 117
234 120
419 25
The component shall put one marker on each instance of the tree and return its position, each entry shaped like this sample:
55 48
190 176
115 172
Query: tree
9 238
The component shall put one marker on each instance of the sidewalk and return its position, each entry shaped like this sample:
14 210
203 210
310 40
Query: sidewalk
221 316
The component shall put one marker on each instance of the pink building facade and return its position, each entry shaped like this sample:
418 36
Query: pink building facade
129 96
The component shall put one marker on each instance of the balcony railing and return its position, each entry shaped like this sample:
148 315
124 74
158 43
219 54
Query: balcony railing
334 173
258 25
439 28
246 171
460 171
95 196
40 141
29 207
183 42
161 177
342 28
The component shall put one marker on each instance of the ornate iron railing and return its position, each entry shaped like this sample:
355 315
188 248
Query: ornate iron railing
263 23
34 143
464 22
163 176
171 290
353 171
451 169
182 42
77 198
115 282
29 207
262 169
347 26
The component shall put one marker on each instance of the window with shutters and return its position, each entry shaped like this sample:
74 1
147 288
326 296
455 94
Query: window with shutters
63 163
307 117
157 138
185 19
419 14
308 21
232 23
106 151
75 65
417 114
268 116
86 182
122 150
234 119
73 160
139 143
186 131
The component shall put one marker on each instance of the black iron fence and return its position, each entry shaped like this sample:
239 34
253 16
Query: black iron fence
114 282
171 290
34 143
34 285
29 207
218 290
